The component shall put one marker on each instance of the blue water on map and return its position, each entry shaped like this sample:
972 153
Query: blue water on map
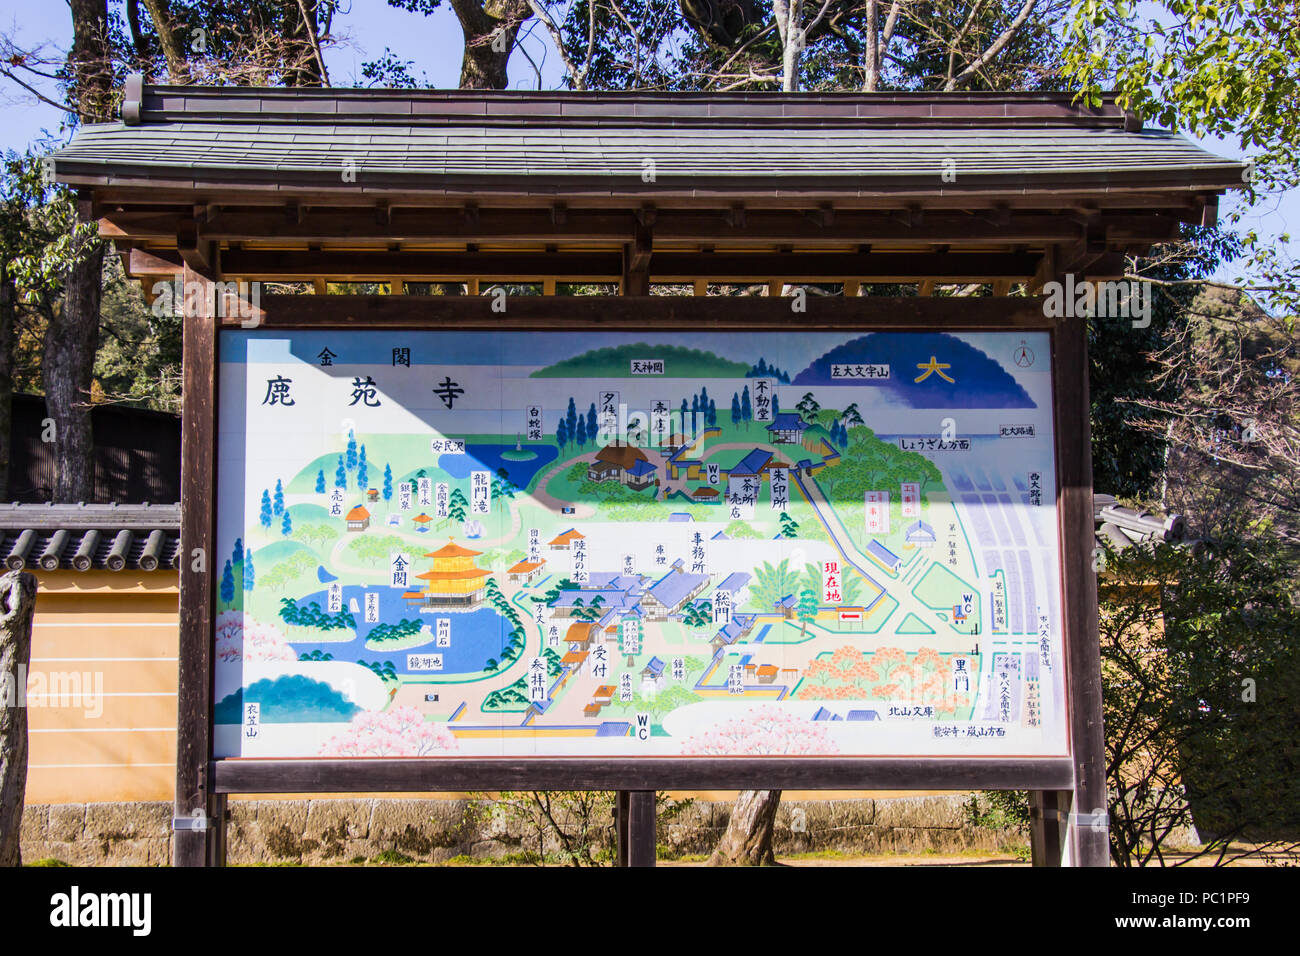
488 457
475 635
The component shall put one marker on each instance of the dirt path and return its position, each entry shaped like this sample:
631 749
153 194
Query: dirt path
544 497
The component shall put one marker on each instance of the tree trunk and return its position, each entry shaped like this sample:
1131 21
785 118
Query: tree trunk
17 599
72 338
871 43
490 29
748 838
67 368
8 309
169 39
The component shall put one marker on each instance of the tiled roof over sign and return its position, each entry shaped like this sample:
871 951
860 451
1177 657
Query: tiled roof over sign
195 137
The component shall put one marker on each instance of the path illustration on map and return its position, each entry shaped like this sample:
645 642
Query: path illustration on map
622 544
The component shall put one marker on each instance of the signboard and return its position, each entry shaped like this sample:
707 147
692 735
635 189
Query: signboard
611 544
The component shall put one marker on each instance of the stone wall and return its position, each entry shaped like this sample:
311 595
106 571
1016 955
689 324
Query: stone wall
339 831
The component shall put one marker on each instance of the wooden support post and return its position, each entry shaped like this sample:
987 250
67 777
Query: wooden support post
218 843
1045 846
1085 841
852 288
634 816
634 810
641 828
196 823
701 287
636 261
622 803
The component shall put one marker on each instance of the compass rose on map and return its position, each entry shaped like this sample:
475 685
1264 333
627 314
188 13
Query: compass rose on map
1023 355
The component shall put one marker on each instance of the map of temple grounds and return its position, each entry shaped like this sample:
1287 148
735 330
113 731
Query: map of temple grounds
637 544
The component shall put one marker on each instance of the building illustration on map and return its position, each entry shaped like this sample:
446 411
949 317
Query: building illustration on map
636 544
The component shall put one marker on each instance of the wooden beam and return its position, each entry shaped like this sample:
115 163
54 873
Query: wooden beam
662 266
731 773
154 262
730 225
647 312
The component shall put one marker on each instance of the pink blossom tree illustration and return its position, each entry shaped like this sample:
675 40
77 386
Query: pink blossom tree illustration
240 636
763 730
399 732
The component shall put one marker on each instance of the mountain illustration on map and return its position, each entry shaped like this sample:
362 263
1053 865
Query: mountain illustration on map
980 381
615 362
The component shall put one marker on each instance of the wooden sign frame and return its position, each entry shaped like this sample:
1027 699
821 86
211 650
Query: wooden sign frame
1069 792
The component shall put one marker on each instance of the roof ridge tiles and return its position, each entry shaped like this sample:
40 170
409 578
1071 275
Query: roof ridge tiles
154 104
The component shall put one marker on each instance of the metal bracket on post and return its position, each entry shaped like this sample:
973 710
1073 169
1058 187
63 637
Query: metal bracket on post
197 820
1097 820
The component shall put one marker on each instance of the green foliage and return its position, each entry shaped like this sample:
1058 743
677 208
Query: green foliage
392 858
1128 375
312 616
664 702
998 810
741 529
1214 68
314 534
771 583
386 671
698 614
568 827
287 570
1201 696
869 463
394 632
374 549
806 609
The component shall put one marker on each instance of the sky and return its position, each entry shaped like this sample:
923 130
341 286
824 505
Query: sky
434 43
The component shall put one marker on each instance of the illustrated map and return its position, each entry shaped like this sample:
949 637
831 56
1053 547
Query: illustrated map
480 544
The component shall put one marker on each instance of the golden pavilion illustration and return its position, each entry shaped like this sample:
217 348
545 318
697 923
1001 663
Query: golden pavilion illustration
455 581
